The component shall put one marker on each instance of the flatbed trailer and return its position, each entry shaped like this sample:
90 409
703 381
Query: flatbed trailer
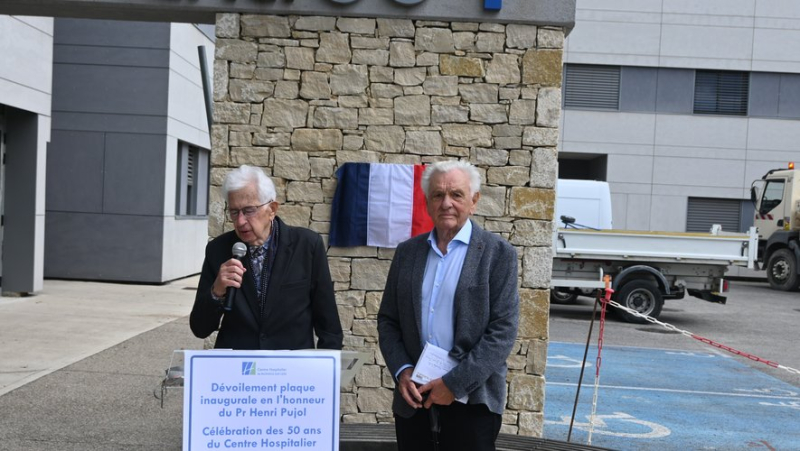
649 267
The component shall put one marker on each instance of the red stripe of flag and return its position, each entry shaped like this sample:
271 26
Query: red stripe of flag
421 222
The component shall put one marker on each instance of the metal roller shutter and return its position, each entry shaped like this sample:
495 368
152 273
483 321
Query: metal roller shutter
703 213
592 87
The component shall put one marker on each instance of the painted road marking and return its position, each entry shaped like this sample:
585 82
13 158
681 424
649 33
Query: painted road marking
688 354
671 390
657 399
769 391
791 405
562 361
601 426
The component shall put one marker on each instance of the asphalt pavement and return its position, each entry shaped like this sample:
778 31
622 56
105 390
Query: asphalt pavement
756 320
664 390
80 362
82 365
668 400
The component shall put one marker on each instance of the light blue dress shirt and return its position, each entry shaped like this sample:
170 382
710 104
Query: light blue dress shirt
442 272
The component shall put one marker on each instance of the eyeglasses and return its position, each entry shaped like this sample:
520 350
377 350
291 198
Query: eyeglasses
248 212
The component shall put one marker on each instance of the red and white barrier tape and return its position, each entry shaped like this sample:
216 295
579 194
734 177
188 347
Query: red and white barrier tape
706 340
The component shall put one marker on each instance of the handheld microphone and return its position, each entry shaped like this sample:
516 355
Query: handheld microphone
238 251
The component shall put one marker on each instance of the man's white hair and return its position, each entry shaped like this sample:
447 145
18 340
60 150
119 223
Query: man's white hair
442 167
244 176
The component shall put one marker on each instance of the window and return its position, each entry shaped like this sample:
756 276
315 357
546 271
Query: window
591 87
704 212
721 92
773 196
192 190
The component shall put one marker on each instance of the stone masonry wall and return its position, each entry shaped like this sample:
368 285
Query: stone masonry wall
300 96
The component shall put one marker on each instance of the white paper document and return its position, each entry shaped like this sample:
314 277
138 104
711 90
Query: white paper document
434 363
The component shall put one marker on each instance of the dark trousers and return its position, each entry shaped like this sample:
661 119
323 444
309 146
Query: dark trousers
463 427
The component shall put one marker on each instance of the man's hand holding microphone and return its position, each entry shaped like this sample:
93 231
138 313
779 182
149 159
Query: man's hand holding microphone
230 276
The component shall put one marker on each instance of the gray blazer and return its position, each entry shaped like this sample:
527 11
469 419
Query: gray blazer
486 310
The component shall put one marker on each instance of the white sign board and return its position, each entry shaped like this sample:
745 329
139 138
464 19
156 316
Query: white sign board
268 400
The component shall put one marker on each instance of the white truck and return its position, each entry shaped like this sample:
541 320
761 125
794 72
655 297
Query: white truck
776 197
646 267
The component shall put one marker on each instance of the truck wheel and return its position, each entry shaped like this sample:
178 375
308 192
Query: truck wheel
642 296
782 271
562 296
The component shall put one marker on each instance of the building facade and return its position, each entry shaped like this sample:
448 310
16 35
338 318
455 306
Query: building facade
25 116
680 106
105 148
127 167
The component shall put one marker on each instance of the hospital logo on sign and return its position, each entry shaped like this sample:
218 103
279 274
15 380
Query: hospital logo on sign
248 368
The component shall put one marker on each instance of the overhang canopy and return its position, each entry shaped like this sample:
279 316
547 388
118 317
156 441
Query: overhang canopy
534 12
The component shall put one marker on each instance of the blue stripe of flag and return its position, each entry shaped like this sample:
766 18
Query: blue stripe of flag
349 206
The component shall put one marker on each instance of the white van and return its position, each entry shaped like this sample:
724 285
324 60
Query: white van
587 201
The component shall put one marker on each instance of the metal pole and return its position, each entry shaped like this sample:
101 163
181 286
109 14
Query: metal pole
201 53
583 366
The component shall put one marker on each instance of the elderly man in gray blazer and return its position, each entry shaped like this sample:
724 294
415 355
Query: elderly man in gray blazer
455 288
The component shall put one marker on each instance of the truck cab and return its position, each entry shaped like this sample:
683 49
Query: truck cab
776 197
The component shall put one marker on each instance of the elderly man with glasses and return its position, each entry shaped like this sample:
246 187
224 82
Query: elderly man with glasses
283 294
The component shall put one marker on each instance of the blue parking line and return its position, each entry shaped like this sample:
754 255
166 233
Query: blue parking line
669 400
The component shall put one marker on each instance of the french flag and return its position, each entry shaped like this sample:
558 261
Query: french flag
378 205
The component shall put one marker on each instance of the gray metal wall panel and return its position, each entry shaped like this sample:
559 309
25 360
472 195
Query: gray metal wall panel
789 106
110 89
764 94
112 56
19 230
128 249
675 92
542 12
112 33
134 174
120 123
110 99
75 172
638 89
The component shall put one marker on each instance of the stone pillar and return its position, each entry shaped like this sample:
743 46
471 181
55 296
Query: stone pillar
300 96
